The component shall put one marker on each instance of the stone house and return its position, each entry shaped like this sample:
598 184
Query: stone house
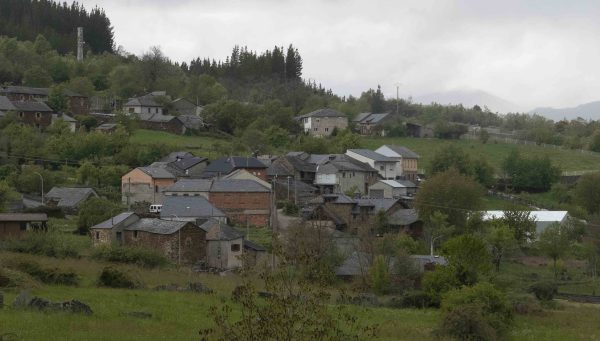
168 123
145 184
386 166
295 165
180 241
77 103
30 112
406 220
323 122
224 245
17 224
69 198
225 165
392 189
372 124
146 104
340 174
409 165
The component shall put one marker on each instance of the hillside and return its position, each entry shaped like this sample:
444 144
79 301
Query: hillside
588 111
469 98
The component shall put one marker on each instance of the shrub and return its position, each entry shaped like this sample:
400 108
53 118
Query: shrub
49 275
50 244
480 312
544 290
139 256
412 299
114 278
438 282
289 208
524 304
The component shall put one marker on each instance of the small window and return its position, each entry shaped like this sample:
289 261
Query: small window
135 234
235 247
155 189
326 129
381 168
316 129
148 110
38 115
97 235
156 110
186 195
21 114
131 110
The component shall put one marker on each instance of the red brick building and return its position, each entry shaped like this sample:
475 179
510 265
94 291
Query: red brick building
243 201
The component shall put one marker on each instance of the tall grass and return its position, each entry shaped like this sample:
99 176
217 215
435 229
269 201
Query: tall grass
128 255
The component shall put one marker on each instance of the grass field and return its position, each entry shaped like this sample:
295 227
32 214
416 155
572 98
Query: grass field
180 315
495 152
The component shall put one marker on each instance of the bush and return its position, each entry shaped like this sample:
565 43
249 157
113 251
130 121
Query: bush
49 275
544 290
413 299
475 313
50 244
139 256
290 209
114 278
525 304
438 282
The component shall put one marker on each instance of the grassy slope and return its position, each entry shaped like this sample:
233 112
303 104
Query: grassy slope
495 153
179 316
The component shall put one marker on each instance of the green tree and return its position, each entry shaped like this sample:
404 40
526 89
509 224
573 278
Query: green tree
94 211
37 77
587 192
381 222
380 276
452 194
57 99
6 194
451 156
554 242
521 223
82 86
468 256
501 240
484 136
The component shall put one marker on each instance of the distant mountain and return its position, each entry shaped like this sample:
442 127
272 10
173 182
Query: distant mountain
587 111
470 98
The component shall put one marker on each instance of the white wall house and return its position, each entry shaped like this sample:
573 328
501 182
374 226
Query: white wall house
408 167
542 219
388 168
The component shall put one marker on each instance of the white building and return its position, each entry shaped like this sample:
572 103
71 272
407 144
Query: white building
542 219
388 168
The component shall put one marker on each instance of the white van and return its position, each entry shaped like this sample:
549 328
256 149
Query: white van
155 208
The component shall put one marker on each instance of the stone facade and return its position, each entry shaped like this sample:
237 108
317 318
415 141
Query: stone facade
324 126
40 120
79 105
225 254
190 239
244 207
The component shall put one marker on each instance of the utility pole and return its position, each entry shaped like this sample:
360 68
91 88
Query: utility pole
397 98
42 179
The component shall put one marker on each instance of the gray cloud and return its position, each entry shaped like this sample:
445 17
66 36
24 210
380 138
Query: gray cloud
538 52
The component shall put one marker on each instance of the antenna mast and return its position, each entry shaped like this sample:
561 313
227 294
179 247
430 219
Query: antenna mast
80 44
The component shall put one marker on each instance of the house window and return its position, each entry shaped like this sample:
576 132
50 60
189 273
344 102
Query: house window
22 97
97 235
343 175
186 195
156 110
235 247
326 129
148 110
315 129
155 189
381 168
38 115
135 234
21 114
131 110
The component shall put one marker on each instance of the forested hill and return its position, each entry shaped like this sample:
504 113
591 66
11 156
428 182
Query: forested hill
25 19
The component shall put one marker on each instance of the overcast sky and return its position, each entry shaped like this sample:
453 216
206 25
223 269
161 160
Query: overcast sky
532 53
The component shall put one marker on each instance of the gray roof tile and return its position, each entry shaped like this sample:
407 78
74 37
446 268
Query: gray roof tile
189 207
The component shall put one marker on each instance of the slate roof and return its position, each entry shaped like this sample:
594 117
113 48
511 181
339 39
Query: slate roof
372 155
187 163
346 164
358 263
32 106
157 172
404 217
325 112
403 151
361 117
157 226
227 164
399 183
67 118
191 121
26 90
216 230
70 196
6 104
23 217
156 117
377 204
106 126
238 185
173 156
250 245
190 185
189 207
111 222
144 101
